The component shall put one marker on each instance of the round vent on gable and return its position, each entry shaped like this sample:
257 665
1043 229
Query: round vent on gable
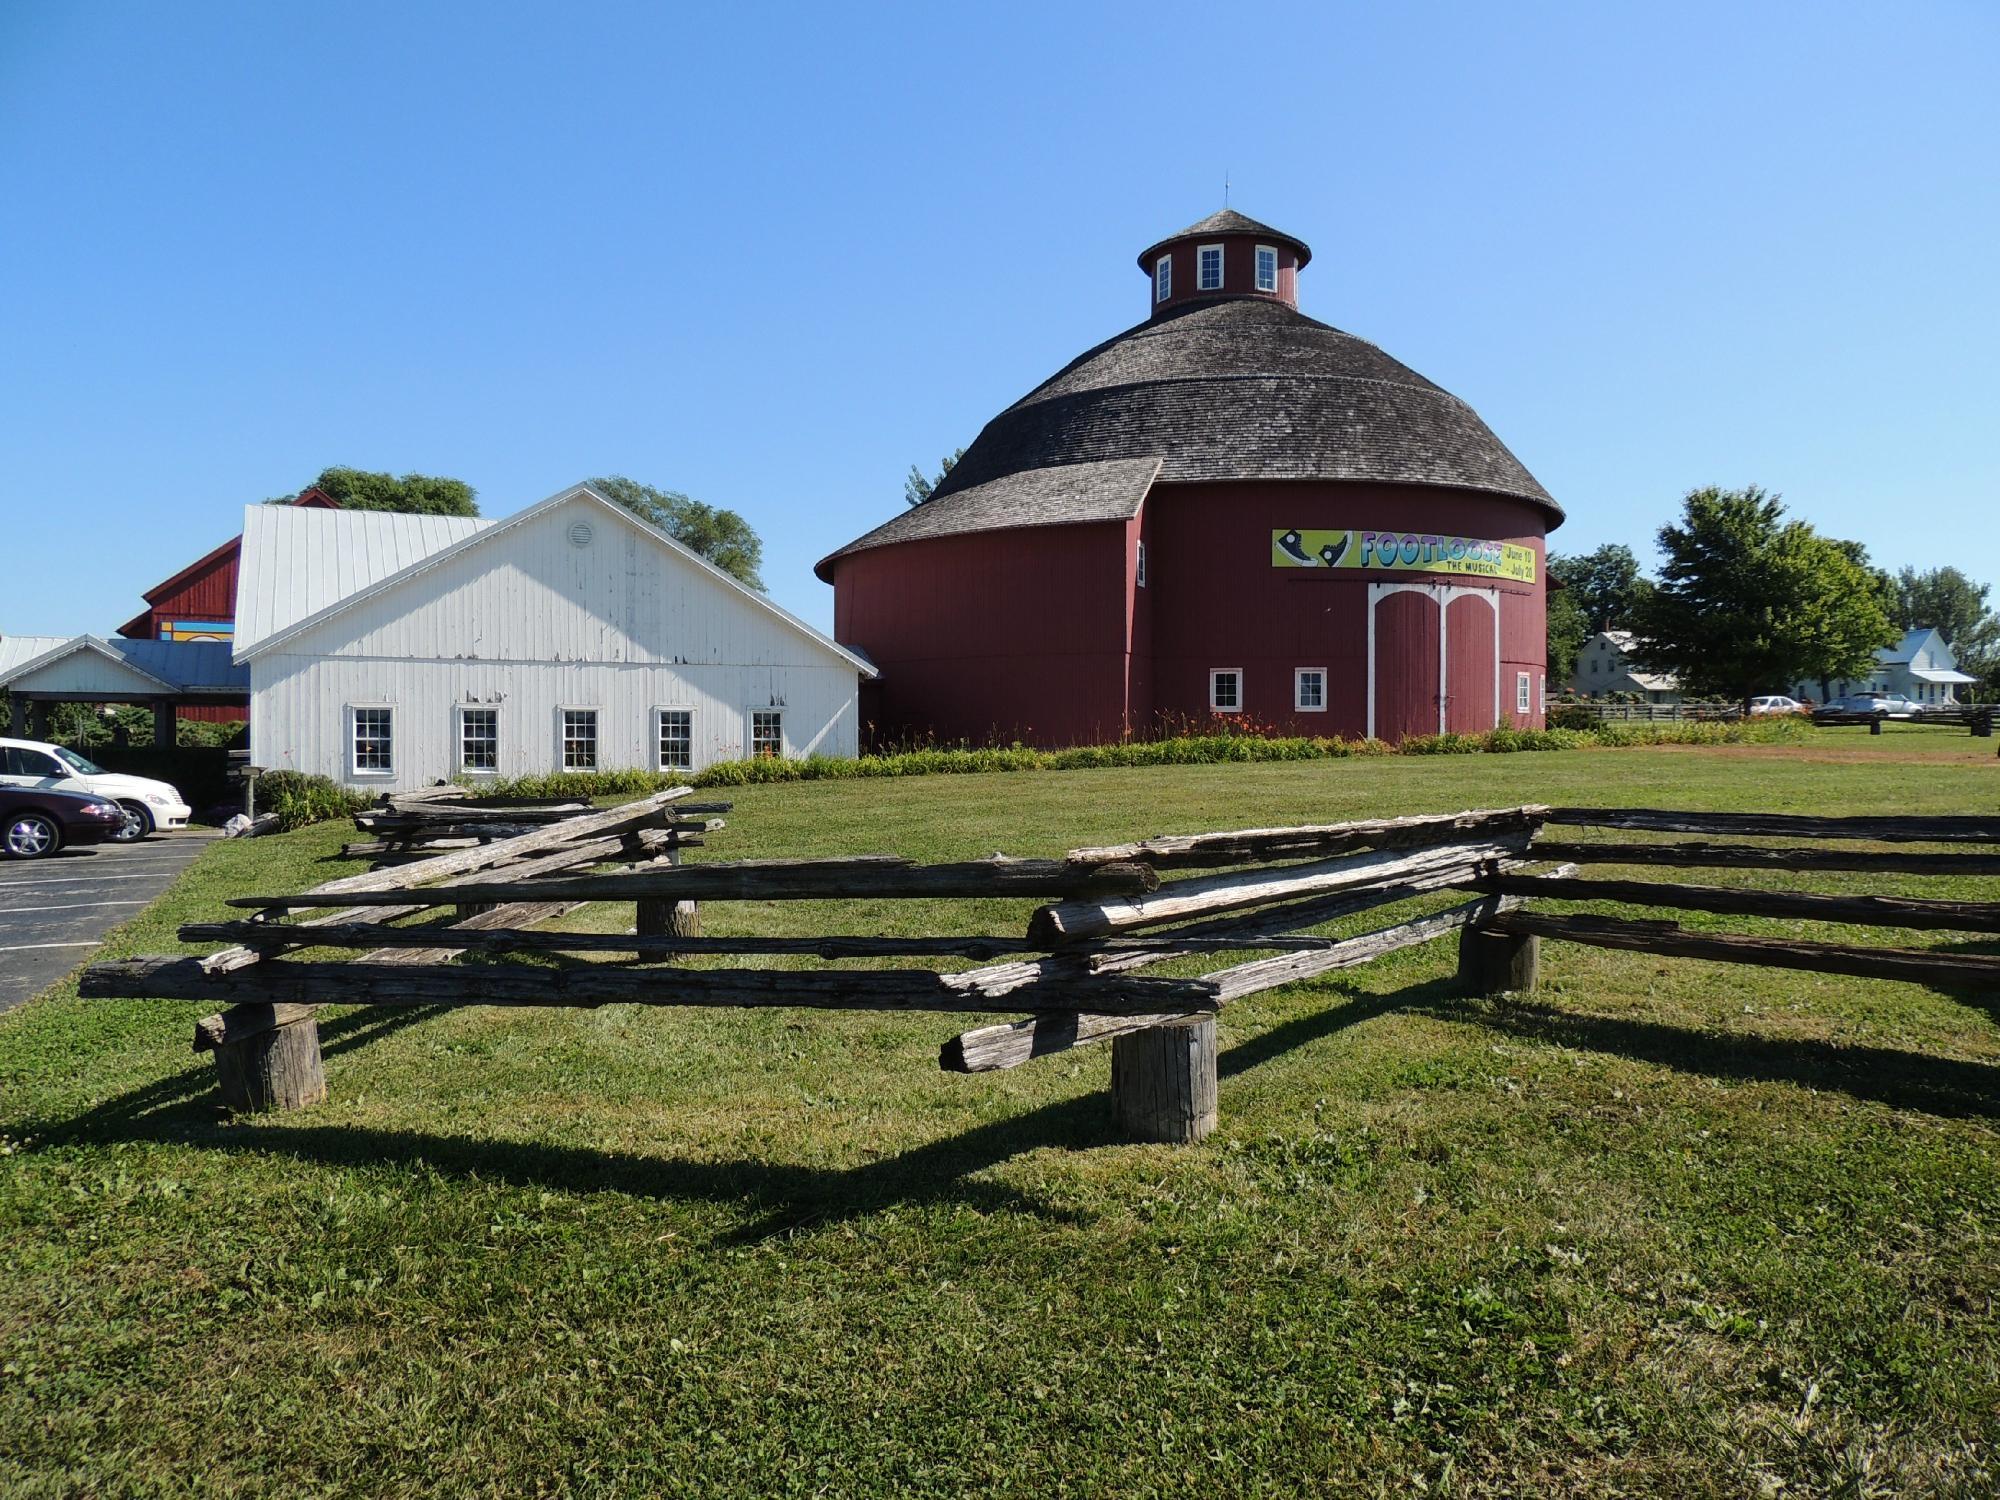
580 534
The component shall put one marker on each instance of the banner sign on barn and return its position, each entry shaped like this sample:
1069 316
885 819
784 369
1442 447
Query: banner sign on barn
1403 552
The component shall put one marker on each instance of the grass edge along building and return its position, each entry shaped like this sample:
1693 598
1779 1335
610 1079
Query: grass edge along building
1228 509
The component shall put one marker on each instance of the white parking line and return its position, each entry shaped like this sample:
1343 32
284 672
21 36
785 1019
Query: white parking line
24 947
6 911
78 879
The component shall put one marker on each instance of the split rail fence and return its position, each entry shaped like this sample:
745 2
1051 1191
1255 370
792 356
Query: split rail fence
1074 977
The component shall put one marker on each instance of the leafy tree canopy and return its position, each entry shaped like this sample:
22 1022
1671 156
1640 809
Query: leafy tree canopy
721 536
917 489
1945 600
413 494
1568 630
1604 585
1750 602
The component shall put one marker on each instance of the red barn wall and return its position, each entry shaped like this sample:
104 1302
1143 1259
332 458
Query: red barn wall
995 636
1044 635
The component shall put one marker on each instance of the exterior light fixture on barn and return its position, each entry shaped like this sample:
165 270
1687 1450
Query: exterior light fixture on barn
1228 492
391 651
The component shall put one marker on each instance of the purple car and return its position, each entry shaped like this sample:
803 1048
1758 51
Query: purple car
35 822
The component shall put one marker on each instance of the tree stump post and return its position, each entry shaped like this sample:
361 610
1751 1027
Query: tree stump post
1163 1082
466 909
662 917
266 1056
1498 963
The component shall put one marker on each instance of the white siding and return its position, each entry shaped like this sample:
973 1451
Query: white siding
296 562
529 623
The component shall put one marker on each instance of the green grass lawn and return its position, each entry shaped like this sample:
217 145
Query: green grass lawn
1665 1228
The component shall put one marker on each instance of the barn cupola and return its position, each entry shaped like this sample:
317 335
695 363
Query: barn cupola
1226 255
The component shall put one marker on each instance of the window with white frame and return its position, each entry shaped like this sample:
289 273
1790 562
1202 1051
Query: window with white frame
479 739
579 739
1267 269
676 739
1163 278
1309 690
1522 689
767 732
1225 690
1141 573
1208 268
374 741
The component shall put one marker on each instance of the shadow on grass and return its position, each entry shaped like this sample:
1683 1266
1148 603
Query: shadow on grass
1879 1075
783 1198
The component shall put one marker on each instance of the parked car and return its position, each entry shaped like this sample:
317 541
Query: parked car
1882 705
36 821
1775 705
148 804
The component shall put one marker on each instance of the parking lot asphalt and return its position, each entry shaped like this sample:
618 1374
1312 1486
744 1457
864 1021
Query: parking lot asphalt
55 911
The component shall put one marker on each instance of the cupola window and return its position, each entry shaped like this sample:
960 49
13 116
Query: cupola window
1163 278
1267 269
1208 263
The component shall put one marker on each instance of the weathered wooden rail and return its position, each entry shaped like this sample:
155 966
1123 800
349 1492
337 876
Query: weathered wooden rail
1256 900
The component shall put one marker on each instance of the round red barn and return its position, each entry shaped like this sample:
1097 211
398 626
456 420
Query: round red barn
1231 509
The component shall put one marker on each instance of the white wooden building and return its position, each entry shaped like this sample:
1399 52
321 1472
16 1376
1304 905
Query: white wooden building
391 651
1605 666
1920 667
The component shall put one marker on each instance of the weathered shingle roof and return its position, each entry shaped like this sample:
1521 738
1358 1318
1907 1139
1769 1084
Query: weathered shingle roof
1228 221
1231 388
1061 496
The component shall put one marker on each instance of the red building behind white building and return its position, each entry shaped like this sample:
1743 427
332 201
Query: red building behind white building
1228 509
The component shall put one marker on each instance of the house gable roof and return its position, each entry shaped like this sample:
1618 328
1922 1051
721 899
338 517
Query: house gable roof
485 532
142 680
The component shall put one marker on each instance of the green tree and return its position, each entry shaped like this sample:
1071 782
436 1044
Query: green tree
917 489
414 494
1568 630
1945 600
1605 584
721 536
1750 602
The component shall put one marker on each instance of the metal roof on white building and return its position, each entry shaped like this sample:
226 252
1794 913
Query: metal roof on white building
297 562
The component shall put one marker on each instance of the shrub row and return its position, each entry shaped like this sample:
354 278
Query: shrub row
1187 750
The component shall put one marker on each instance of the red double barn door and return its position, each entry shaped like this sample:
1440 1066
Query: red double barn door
1435 662
1472 670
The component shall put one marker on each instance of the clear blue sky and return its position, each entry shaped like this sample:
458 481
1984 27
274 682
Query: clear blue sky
771 256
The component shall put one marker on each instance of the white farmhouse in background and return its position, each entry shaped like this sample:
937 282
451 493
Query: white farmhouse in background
1919 667
1605 666
391 651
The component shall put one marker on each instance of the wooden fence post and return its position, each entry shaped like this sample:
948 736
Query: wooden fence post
664 918
266 1056
1498 963
1163 1081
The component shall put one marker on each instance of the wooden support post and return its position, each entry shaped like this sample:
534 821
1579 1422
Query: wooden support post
266 1057
1163 1081
1498 963
163 723
469 909
660 917
38 719
1875 725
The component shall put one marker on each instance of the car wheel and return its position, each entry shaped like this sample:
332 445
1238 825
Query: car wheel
138 823
31 835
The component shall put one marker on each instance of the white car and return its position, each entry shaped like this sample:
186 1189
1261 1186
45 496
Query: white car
1777 705
148 804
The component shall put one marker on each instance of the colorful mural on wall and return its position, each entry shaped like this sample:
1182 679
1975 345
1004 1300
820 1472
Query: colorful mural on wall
1402 552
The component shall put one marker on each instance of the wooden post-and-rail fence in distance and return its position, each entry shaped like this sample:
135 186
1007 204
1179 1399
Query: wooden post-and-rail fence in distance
1257 899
